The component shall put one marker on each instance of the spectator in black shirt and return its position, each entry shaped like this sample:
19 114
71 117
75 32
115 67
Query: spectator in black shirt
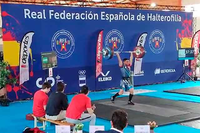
57 104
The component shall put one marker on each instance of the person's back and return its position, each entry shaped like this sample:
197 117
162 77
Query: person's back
57 104
75 112
78 105
40 100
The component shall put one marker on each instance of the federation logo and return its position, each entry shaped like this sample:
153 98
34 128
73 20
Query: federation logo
157 41
115 40
63 44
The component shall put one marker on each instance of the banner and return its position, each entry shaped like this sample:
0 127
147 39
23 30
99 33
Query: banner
195 45
98 54
138 61
73 33
24 56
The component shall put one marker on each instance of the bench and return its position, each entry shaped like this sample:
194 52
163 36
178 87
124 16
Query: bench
44 120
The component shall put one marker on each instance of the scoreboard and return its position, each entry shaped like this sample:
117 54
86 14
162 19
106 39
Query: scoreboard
186 54
49 60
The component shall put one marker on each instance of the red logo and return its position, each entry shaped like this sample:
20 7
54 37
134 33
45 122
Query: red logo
114 41
63 42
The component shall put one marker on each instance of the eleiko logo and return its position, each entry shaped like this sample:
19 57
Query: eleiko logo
105 77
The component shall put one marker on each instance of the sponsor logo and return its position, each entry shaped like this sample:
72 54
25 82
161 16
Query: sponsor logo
157 71
196 45
157 41
25 51
105 77
51 80
139 74
162 71
98 54
24 55
40 81
58 79
82 77
63 44
142 39
99 48
115 40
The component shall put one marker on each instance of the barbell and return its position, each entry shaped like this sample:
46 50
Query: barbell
138 52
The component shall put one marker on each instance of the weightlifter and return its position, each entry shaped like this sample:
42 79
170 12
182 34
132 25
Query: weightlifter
126 81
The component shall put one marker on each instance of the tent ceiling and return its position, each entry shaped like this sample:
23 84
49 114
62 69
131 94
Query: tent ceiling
159 2
136 4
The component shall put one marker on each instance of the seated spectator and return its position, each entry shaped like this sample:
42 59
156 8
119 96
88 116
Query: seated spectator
57 104
40 100
118 122
32 130
4 101
80 103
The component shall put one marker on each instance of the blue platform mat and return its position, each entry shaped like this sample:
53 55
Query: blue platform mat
13 117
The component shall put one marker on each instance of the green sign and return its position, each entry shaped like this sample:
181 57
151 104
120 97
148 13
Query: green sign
45 60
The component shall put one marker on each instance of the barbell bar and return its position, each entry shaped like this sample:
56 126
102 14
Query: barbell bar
138 52
124 52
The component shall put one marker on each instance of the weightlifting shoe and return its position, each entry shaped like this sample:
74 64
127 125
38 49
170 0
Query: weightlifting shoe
130 103
112 99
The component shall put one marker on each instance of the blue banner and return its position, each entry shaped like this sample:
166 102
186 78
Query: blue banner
72 33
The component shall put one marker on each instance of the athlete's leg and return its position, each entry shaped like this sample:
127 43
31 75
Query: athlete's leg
118 93
131 90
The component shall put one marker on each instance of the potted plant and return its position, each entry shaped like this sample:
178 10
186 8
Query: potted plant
152 125
197 65
5 79
79 128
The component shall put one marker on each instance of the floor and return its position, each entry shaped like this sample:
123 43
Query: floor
13 117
